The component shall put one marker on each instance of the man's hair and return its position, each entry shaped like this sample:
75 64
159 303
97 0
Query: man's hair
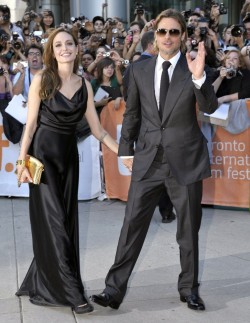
147 38
197 14
40 48
98 18
5 10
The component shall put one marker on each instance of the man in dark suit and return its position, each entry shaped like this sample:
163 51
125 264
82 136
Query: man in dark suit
171 153
149 50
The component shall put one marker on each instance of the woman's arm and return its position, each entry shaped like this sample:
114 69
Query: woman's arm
33 109
94 123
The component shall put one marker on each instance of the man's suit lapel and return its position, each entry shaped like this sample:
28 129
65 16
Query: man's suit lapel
148 82
178 81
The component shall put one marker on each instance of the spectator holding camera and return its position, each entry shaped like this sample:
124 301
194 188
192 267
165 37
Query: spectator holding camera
99 32
23 78
6 91
204 33
232 80
5 23
12 128
107 79
132 41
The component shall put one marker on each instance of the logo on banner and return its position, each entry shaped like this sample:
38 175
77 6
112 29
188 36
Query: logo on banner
4 143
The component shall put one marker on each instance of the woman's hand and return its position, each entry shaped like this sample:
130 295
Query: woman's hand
128 163
117 103
23 175
223 72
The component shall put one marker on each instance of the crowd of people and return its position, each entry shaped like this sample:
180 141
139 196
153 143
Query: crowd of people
59 71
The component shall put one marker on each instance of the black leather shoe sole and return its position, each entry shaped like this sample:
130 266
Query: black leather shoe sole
193 302
105 300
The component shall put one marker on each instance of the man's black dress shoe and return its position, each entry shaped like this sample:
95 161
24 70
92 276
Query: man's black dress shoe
193 301
167 217
83 309
105 300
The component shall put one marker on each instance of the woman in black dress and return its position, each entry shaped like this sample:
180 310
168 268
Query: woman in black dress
58 99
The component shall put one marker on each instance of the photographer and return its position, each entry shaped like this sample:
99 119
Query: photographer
12 128
11 49
204 33
5 23
232 80
132 41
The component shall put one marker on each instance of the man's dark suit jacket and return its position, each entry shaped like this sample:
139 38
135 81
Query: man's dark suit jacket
178 131
125 80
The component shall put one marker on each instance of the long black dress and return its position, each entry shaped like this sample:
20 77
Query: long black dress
54 275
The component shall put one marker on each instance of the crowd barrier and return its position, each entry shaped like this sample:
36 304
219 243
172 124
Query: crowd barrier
230 181
89 162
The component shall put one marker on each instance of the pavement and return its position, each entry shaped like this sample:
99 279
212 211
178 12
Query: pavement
152 295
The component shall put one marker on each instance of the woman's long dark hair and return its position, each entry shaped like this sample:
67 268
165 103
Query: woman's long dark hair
48 13
106 61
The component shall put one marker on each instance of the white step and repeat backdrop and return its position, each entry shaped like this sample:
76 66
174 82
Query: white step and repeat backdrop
89 161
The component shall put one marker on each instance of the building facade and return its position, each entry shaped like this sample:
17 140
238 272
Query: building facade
124 9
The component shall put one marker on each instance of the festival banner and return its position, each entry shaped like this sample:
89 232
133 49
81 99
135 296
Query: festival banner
117 176
230 181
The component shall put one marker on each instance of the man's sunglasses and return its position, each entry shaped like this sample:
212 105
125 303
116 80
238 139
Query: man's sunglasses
172 32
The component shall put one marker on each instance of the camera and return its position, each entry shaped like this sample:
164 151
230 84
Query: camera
187 13
17 45
237 31
31 14
139 10
194 42
107 54
112 22
190 30
15 36
1 71
10 54
75 19
96 38
231 72
223 9
4 37
125 62
203 31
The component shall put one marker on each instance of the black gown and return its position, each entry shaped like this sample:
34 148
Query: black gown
54 275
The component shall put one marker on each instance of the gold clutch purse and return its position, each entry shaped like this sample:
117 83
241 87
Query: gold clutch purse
35 168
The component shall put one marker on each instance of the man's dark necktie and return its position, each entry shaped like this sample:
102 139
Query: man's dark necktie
164 86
